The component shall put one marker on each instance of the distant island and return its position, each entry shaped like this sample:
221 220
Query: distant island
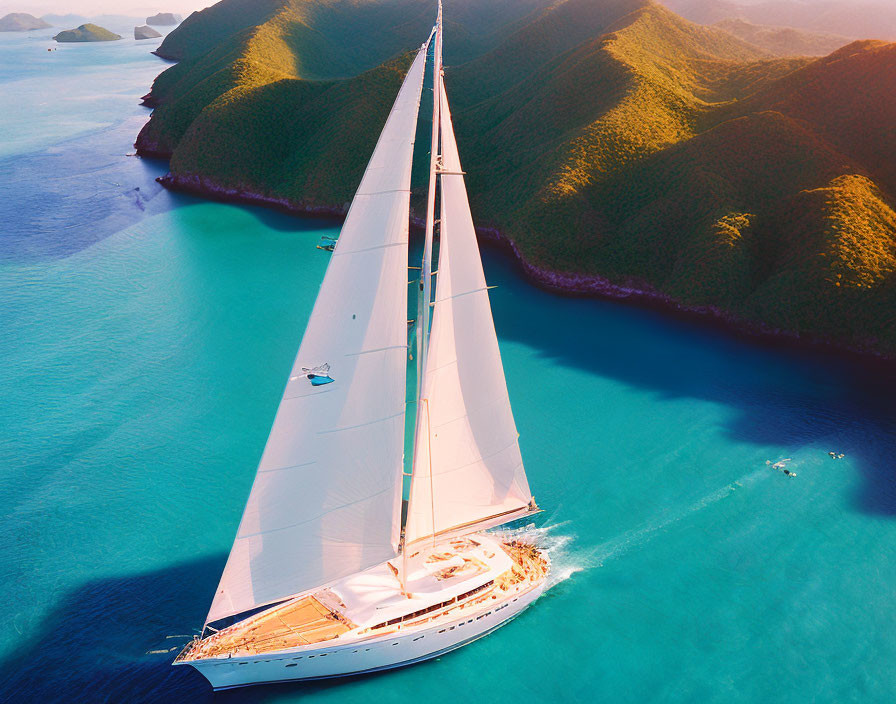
87 33
21 22
164 19
707 174
145 32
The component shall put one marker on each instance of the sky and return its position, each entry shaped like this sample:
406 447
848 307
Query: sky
137 8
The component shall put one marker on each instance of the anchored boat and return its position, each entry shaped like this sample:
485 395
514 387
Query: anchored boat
327 575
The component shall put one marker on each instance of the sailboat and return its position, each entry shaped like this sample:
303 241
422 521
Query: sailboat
328 575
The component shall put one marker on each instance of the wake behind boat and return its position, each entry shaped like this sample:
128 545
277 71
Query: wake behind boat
325 578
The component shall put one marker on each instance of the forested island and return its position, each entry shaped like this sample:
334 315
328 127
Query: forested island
87 33
616 148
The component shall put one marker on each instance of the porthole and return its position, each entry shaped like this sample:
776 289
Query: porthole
292 664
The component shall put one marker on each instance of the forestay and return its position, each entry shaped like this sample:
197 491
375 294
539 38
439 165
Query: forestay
326 501
468 472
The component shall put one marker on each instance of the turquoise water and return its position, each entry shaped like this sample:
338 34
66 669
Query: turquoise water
145 339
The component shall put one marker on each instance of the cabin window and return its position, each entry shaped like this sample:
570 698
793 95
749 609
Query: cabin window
292 664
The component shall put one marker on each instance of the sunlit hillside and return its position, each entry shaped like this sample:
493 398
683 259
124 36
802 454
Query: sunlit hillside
609 139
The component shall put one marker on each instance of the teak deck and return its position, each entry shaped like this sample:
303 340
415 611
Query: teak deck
302 622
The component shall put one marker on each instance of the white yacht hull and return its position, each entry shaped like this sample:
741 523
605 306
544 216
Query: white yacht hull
367 655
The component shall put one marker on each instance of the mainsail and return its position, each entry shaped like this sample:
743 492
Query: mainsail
326 501
468 472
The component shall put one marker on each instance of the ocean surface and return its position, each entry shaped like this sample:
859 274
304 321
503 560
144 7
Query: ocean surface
144 341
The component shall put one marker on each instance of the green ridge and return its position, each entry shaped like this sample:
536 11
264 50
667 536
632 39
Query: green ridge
610 139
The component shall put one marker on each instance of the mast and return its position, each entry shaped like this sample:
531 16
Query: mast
425 287
326 500
426 267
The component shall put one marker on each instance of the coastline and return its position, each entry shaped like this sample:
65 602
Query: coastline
636 293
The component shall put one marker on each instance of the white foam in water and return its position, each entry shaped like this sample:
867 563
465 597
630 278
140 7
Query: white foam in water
567 560
619 546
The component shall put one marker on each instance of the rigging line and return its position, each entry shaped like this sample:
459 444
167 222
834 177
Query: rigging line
313 518
378 193
337 253
292 466
465 293
361 425
377 349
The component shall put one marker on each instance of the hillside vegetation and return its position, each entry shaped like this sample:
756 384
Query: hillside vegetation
87 33
607 139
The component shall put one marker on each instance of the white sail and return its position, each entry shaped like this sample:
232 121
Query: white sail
468 472
326 501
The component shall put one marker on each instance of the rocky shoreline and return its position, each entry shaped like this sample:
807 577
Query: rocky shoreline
637 293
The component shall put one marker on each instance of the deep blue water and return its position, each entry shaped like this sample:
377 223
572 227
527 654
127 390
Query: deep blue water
144 340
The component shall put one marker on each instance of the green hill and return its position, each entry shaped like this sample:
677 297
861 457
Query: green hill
87 33
615 144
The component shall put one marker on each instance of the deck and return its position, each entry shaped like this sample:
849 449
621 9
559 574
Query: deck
298 623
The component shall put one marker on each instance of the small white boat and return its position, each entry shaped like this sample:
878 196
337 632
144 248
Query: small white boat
328 576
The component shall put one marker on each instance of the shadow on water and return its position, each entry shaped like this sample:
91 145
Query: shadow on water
97 644
790 398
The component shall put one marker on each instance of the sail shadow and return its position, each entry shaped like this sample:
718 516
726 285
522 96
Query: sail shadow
114 639
105 640
777 395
